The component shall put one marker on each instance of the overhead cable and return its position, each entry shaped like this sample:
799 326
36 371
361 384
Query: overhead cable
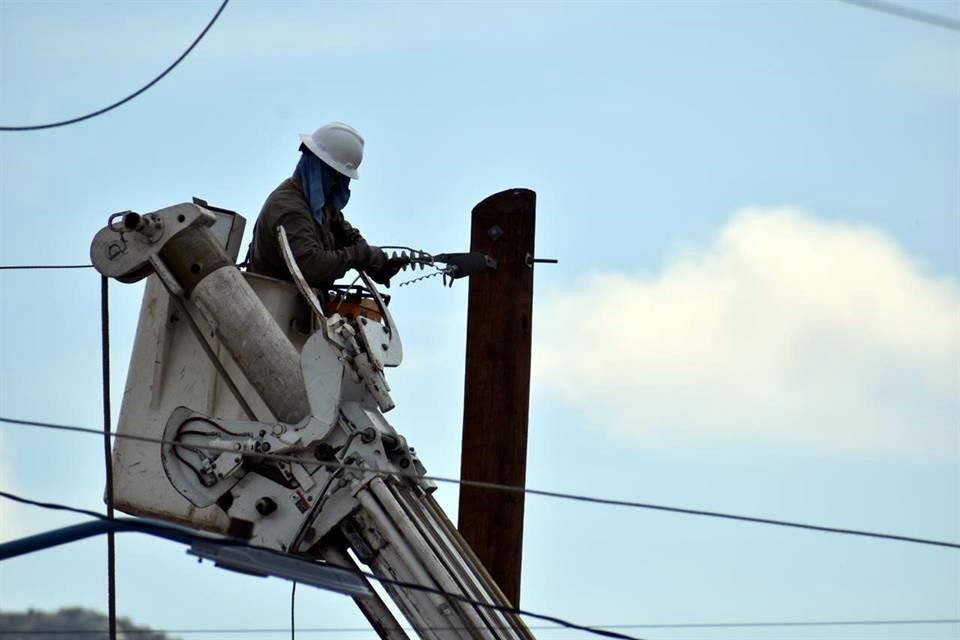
105 383
372 576
98 112
515 489
908 13
24 267
681 625
293 610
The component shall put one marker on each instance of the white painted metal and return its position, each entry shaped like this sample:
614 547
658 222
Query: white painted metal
168 369
349 477
380 617
301 283
322 367
259 347
467 615
416 509
121 253
393 354
458 548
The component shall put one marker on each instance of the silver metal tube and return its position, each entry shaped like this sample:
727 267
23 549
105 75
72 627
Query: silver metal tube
242 323
470 558
373 608
415 538
416 606
261 350
439 613
467 577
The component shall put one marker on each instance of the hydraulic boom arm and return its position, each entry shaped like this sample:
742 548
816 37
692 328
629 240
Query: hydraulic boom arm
314 469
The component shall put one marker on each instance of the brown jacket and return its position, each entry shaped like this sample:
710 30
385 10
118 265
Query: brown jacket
324 252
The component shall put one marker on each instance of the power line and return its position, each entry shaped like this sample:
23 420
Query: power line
372 576
24 267
293 610
908 13
502 487
604 630
53 506
681 625
105 370
130 97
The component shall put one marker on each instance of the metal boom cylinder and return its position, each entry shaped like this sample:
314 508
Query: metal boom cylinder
243 324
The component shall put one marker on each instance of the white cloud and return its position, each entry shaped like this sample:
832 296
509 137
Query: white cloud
785 330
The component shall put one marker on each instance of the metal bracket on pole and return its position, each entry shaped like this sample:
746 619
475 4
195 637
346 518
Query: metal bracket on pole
530 261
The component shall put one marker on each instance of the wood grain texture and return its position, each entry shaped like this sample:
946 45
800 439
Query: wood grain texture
497 384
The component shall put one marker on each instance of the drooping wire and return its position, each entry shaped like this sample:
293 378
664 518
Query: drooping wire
402 584
98 112
105 370
25 267
907 13
516 489
681 625
293 610
876 5
53 506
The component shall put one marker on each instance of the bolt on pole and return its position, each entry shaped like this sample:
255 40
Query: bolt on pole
497 384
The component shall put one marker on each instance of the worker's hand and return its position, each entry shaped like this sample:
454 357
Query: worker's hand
388 270
366 258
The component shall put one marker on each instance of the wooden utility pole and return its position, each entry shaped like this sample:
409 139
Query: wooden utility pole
497 384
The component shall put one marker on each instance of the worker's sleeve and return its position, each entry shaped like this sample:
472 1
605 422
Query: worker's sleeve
345 232
348 236
320 266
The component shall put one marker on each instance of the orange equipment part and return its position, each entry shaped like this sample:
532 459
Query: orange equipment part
365 308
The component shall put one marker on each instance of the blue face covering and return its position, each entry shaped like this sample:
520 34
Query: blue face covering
321 185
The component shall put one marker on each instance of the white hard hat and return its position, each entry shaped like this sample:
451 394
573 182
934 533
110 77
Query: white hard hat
337 144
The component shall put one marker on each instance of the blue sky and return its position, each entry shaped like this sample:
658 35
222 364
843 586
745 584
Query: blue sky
756 208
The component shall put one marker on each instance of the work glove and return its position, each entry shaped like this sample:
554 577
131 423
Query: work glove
390 268
363 257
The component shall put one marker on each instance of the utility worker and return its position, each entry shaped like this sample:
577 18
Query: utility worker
309 205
